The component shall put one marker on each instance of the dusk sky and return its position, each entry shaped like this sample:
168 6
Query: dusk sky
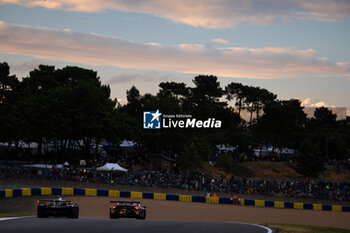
294 48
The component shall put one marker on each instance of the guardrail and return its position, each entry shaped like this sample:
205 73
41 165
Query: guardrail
23 192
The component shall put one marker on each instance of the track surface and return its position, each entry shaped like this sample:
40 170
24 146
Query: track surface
98 207
86 225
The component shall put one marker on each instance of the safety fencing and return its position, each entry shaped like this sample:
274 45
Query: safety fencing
24 192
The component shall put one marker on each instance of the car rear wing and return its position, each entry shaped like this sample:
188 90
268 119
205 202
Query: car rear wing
125 202
49 201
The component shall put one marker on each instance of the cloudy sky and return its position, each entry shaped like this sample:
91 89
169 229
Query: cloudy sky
294 48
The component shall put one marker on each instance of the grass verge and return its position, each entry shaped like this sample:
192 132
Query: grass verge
290 228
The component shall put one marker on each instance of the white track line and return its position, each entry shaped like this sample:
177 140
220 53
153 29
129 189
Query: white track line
269 230
12 218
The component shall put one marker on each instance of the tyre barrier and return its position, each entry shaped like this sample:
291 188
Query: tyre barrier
66 191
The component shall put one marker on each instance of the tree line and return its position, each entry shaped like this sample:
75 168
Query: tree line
72 110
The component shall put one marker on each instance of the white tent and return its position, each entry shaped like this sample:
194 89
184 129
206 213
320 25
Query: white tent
111 167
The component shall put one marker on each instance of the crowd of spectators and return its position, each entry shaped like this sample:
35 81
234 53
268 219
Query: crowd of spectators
310 189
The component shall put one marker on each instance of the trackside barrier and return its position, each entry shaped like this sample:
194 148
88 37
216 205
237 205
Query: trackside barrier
8 193
78 192
212 200
298 205
327 207
317 206
126 194
288 205
198 199
260 203
113 193
236 201
269 204
56 191
35 191
225 200
46 191
279 204
159 196
136 195
102 193
172 197
337 208
147 195
308 206
25 192
185 198
242 201
90 192
249 202
17 192
67 191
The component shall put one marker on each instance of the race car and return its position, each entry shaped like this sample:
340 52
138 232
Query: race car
127 209
58 208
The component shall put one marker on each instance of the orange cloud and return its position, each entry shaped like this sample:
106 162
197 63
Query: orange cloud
310 106
220 41
307 103
208 13
262 63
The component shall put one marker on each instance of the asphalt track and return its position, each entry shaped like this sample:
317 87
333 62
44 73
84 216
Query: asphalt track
93 225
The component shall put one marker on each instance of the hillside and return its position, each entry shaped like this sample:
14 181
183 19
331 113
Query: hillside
278 170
